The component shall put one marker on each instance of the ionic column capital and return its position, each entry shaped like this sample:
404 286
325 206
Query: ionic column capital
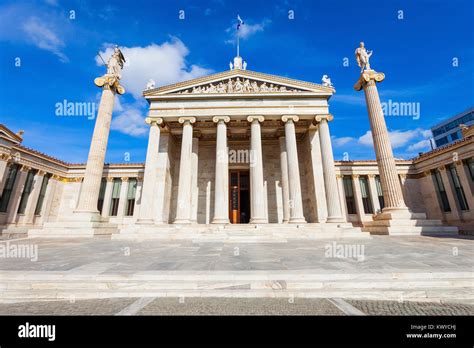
286 118
327 117
371 176
24 168
154 121
186 119
255 118
367 77
109 179
355 176
217 119
124 179
41 173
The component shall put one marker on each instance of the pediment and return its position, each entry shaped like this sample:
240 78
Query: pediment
238 82
9 135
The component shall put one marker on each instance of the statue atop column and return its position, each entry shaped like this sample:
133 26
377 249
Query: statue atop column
113 74
115 63
362 57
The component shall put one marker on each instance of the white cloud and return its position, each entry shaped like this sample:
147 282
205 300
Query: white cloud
165 63
422 145
342 141
246 30
397 138
44 37
131 121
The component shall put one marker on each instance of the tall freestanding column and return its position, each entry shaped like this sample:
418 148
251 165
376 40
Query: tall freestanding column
294 183
221 188
149 177
392 191
257 194
183 211
89 195
329 171
284 180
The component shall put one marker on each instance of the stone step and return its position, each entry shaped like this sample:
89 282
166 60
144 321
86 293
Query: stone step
296 275
427 294
241 284
412 230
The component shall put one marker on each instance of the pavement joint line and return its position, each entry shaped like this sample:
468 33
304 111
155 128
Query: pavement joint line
136 306
347 308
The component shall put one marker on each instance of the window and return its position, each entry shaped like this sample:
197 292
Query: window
7 190
364 190
44 186
26 191
441 141
117 184
349 192
378 185
461 198
441 192
132 190
100 201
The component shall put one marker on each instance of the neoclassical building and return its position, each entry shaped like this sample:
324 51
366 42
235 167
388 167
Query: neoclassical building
237 152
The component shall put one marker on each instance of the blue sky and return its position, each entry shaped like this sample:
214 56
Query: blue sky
49 54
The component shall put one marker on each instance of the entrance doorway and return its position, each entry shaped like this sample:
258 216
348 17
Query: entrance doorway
239 196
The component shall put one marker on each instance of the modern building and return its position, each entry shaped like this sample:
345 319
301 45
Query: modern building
449 130
234 151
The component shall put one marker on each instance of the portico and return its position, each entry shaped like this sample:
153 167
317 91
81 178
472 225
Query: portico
241 120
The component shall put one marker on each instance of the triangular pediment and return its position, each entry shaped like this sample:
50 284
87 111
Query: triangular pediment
239 82
7 134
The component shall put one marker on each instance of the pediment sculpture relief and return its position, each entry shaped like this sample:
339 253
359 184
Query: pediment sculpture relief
236 85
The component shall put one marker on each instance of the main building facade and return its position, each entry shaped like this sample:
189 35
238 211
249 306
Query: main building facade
235 149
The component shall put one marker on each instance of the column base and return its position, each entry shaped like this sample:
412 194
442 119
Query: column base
402 222
297 220
331 219
182 222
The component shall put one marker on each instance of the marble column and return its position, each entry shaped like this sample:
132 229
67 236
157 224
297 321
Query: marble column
284 180
3 170
464 180
374 196
294 183
358 197
46 211
329 171
342 196
453 204
149 177
257 211
95 162
194 180
221 187
122 198
183 211
17 190
33 198
389 181
317 174
109 183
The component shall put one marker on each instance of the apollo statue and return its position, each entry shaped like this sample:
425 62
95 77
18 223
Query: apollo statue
362 57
